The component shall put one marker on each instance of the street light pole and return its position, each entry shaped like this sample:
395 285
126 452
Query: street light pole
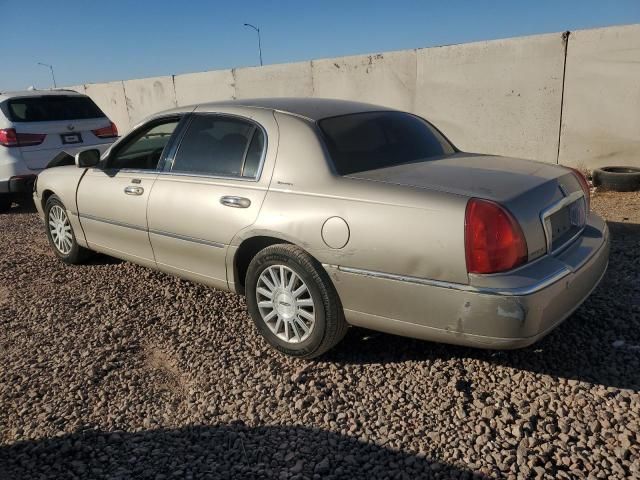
259 41
52 75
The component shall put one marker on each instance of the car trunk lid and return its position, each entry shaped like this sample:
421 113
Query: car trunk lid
542 197
489 177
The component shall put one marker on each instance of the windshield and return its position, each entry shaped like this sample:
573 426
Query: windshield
367 141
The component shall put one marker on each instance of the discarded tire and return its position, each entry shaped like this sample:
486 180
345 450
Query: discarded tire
619 179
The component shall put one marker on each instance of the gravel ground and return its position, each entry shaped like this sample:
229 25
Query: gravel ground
111 370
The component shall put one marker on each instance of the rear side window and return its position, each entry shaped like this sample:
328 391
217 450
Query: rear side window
220 146
52 108
368 141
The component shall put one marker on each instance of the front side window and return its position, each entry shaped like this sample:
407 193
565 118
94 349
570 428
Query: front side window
368 141
143 150
220 146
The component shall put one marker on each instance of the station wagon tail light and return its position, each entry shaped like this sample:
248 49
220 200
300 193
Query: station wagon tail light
9 138
106 132
494 241
584 184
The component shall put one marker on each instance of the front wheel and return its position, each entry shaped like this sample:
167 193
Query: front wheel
293 303
60 233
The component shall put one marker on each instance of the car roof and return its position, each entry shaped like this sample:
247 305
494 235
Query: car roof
313 109
38 93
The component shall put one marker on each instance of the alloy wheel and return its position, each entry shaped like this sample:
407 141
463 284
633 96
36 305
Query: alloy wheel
60 229
285 304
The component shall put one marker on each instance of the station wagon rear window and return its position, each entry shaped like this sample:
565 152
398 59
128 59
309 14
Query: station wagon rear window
372 140
52 108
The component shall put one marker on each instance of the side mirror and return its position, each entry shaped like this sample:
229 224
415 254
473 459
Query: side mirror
88 158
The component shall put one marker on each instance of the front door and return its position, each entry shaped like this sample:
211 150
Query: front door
213 188
112 199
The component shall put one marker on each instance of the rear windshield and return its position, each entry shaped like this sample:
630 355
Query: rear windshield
368 141
52 108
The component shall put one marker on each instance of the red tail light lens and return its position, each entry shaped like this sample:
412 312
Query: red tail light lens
584 184
494 241
9 138
106 132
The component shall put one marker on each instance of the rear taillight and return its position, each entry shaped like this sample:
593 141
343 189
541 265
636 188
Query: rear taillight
584 184
494 241
106 132
9 138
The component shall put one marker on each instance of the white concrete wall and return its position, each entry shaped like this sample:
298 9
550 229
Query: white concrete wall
193 88
503 96
601 112
287 80
148 95
111 100
387 79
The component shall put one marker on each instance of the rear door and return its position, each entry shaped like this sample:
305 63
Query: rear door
49 124
112 199
212 188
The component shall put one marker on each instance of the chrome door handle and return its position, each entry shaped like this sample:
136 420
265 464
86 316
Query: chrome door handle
235 202
130 190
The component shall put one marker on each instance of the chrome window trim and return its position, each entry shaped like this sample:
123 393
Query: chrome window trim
556 207
211 177
512 292
160 119
255 124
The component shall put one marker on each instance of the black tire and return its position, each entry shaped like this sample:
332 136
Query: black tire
618 179
329 327
5 203
76 254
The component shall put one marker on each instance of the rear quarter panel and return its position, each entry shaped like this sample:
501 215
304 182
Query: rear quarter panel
392 229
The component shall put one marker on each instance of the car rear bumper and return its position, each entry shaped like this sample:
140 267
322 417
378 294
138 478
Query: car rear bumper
13 172
504 311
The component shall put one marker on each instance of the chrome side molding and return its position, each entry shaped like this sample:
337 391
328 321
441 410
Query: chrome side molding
518 291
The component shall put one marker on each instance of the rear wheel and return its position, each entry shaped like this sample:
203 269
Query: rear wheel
60 233
293 303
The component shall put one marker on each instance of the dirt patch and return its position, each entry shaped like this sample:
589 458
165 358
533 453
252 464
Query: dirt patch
165 368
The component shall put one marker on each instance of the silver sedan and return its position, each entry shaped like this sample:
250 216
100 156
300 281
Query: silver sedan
328 213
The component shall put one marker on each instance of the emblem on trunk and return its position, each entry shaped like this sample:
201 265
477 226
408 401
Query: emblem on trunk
70 127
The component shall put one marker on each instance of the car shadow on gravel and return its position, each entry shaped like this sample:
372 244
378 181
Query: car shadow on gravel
221 451
599 343
25 206
102 259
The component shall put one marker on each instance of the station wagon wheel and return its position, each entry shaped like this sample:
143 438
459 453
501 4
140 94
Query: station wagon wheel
60 232
285 304
293 303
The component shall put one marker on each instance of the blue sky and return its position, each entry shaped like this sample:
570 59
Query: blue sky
96 41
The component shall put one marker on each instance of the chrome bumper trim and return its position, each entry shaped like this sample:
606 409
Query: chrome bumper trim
528 290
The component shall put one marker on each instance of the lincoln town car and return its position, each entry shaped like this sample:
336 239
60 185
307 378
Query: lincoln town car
329 213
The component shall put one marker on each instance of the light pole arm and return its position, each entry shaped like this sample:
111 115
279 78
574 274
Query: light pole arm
259 39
